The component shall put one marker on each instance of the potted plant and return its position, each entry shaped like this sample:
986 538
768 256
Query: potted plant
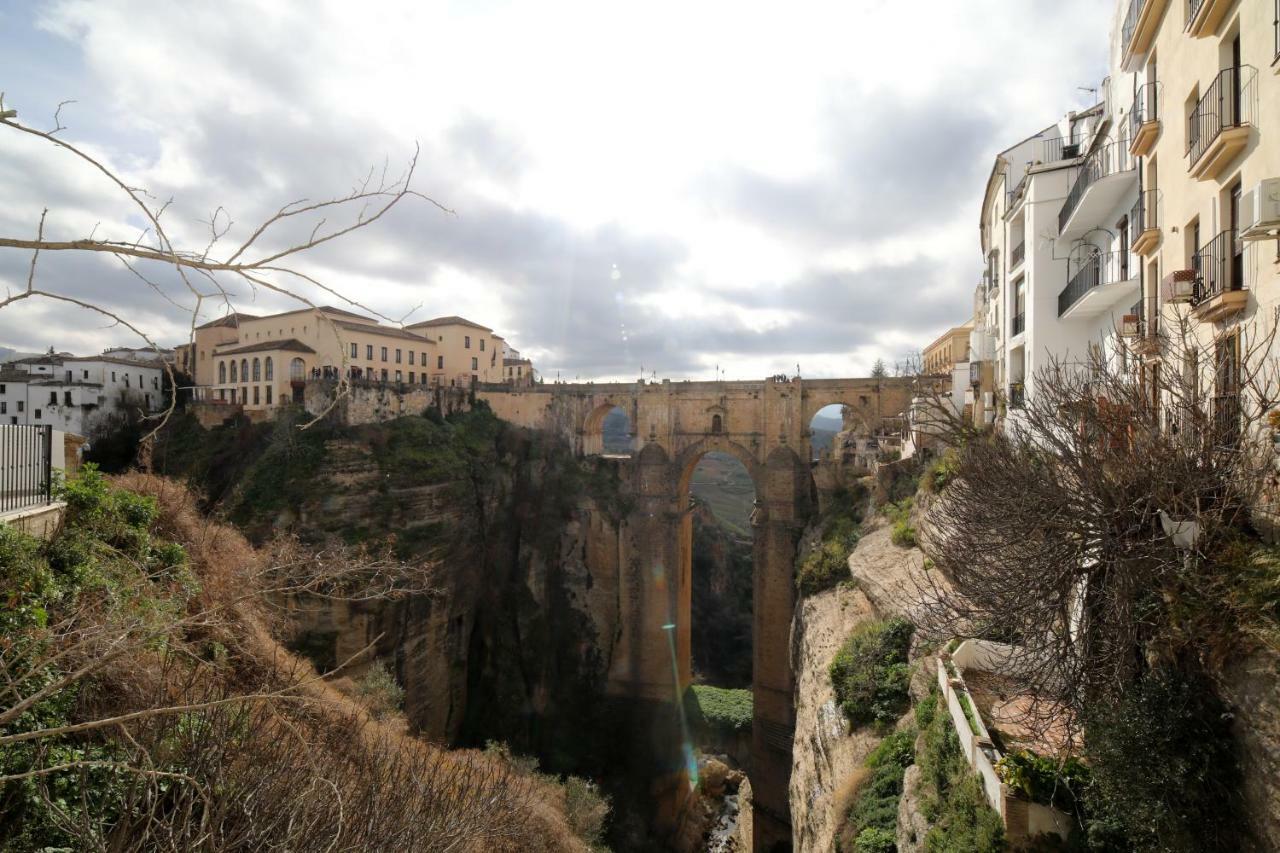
1179 286
1130 325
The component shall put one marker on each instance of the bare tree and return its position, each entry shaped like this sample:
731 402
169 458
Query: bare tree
207 272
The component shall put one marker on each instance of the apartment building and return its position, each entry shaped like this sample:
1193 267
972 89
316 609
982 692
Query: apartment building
947 350
74 394
1205 129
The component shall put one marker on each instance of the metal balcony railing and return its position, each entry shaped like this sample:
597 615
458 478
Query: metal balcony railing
1014 195
1143 215
1019 323
1017 395
1110 159
1090 272
1146 107
1018 254
26 466
1130 24
1193 9
1058 148
1217 268
1225 104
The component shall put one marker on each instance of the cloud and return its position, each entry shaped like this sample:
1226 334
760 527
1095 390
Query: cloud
612 208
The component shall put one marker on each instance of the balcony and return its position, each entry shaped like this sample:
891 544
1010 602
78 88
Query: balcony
1219 289
1101 281
1144 224
1017 255
1017 395
1218 129
1144 120
1139 30
1057 149
1148 340
1103 179
1203 16
1019 324
1014 196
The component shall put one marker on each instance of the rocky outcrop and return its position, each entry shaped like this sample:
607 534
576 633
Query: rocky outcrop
912 824
1252 687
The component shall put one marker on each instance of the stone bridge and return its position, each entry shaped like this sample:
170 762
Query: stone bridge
765 425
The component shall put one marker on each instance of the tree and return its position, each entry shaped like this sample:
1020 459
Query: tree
879 370
204 271
1107 535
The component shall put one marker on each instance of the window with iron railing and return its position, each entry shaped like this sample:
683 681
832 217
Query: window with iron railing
1019 323
1017 254
1130 24
1224 105
1146 106
1017 395
1217 268
1143 215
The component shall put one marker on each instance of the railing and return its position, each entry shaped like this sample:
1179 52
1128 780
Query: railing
1216 269
1094 270
1130 24
1148 310
1110 159
1224 105
1193 9
1017 395
1146 107
1226 420
1275 25
1019 323
26 466
1143 215
1017 254
1058 148
1012 196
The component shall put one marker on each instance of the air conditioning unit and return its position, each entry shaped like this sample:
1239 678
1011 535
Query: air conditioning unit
1129 325
1260 211
1180 286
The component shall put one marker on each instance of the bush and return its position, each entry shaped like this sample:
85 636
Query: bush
825 567
379 692
876 840
719 709
951 794
940 472
870 673
1043 779
873 817
903 535
899 515
586 809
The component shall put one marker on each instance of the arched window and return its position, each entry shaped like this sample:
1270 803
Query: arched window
235 374
717 425
244 370
257 370
297 370
222 373
270 371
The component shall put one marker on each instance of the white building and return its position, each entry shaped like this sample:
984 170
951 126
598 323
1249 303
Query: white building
74 393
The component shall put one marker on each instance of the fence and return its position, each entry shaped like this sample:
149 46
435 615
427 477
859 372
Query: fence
26 466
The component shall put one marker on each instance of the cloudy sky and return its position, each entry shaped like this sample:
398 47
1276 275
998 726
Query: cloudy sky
666 185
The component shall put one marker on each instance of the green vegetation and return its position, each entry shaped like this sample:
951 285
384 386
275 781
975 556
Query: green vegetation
941 471
951 793
828 563
724 484
721 604
871 824
378 690
106 552
718 710
899 515
870 673
586 808
1044 780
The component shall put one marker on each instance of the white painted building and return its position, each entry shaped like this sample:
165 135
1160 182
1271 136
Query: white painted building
74 393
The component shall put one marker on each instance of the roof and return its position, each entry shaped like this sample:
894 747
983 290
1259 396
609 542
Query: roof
233 319
285 345
47 358
452 320
150 363
389 331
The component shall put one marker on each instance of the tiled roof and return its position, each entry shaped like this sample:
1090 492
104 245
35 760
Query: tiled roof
233 320
450 321
286 345
388 331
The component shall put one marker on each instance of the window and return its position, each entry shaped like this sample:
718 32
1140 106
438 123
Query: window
397 356
399 376
439 362
66 398
222 373
21 405
384 355
146 399
257 370
113 376
297 370
84 374
1226 401
268 395
411 377
222 394
4 408
368 351
411 356
717 425
255 395
53 398
475 364
1 389
270 374
355 350
384 374
244 370
482 345
466 341
38 413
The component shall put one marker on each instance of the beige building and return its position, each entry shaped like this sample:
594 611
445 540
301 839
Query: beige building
464 350
1205 128
948 350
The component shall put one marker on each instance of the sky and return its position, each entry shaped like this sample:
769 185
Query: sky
677 188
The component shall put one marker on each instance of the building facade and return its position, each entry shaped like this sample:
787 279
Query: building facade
949 349
465 351
76 394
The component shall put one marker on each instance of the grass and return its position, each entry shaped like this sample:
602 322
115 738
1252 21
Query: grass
719 709
870 821
951 794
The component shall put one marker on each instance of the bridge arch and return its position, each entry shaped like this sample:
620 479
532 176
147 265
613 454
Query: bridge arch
593 437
